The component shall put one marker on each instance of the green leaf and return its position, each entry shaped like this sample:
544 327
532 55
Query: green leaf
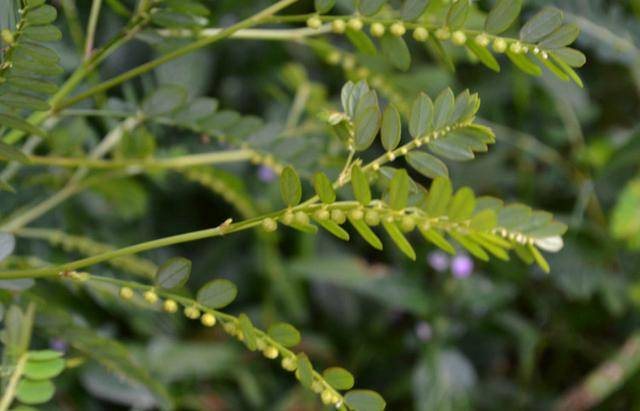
427 165
365 400
333 228
573 57
484 55
567 69
462 204
217 293
439 196
248 331
360 185
391 128
541 25
458 14
42 15
284 334
437 239
290 187
173 273
470 246
413 9
399 239
540 260
324 188
34 392
367 124
304 372
42 33
338 378
452 147
164 100
625 220
554 68
23 101
367 233
361 41
421 117
43 370
27 66
34 84
36 52
11 153
324 6
399 190
7 245
395 51
370 7
484 220
44 355
524 63
561 37
503 14
443 108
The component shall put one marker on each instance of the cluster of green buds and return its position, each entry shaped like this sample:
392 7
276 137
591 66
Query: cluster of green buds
170 306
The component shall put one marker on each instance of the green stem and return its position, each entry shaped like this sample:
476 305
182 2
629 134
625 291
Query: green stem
144 68
10 393
250 34
152 163
96 6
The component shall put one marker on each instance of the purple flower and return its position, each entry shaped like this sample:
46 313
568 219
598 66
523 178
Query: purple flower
266 174
58 345
461 266
424 331
438 260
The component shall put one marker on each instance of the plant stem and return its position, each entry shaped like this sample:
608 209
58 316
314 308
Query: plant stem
250 34
96 6
10 393
152 163
251 21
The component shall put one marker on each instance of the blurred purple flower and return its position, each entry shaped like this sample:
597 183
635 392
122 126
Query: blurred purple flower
58 345
438 260
461 266
266 174
424 331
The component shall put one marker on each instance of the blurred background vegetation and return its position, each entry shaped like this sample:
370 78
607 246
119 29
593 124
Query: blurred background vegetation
439 334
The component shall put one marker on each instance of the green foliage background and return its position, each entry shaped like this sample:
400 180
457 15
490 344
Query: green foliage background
507 337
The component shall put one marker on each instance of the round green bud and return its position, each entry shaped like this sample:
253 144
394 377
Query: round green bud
338 26
270 352
355 24
7 37
338 216
408 223
230 328
126 293
302 218
420 34
333 58
192 313
288 218
458 38
314 22
443 33
327 397
356 214
269 225
372 217
170 306
348 63
260 344
322 214
289 363
377 29
516 47
389 219
482 40
317 387
208 320
397 29
499 45
150 297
